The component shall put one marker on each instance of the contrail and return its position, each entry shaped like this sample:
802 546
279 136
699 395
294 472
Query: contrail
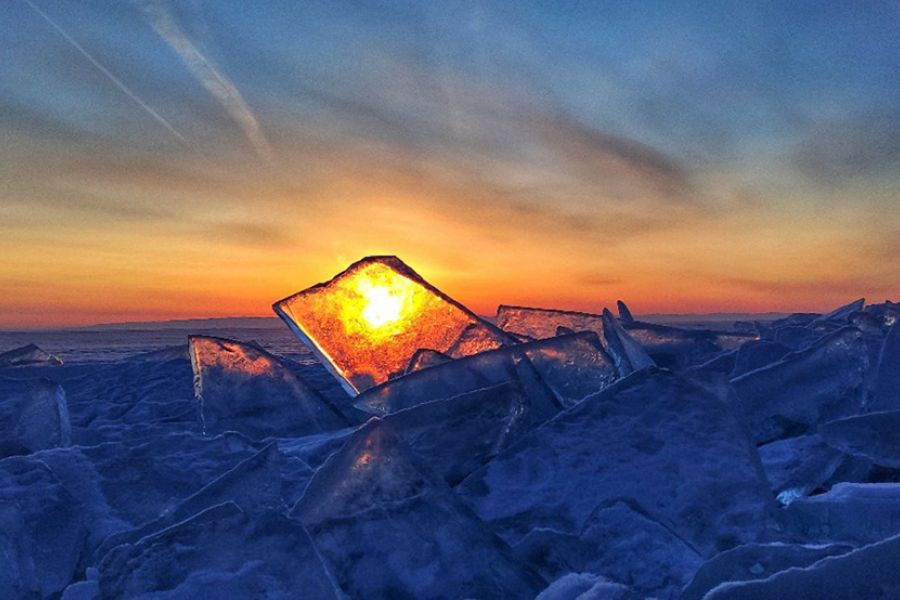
217 84
125 89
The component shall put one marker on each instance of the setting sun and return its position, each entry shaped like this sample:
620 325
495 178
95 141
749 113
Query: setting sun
382 307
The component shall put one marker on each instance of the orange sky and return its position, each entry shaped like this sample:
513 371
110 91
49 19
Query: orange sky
214 165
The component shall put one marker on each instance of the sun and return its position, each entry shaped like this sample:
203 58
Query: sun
382 307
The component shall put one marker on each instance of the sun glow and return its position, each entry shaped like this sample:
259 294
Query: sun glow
382 307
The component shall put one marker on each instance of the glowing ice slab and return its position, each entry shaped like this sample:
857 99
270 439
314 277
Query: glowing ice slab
382 521
242 387
366 323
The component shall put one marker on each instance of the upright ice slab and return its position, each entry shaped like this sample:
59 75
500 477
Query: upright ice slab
628 355
33 416
366 323
242 387
806 387
387 527
842 313
567 367
624 312
27 356
659 439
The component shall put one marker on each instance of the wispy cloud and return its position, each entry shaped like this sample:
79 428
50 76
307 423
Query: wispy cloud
210 76
106 72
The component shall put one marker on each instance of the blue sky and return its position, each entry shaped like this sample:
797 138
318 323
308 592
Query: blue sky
213 156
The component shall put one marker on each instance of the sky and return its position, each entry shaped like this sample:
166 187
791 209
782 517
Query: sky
164 160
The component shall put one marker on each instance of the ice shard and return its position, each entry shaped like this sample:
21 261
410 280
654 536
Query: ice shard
806 387
425 357
659 439
756 354
33 416
628 355
221 552
624 313
42 530
477 337
874 436
886 388
567 368
457 435
799 465
28 356
677 348
842 313
366 323
850 512
542 323
618 542
387 526
754 562
242 387
869 572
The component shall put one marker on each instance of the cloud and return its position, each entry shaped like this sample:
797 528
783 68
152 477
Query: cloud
210 76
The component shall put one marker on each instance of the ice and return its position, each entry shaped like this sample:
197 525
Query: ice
42 531
620 543
680 348
756 561
849 512
253 485
666 443
807 387
29 355
242 387
387 527
624 313
222 552
586 586
573 366
874 436
842 313
796 337
629 356
798 466
756 354
366 323
870 572
886 388
478 337
424 358
542 323
33 416
567 368
457 435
